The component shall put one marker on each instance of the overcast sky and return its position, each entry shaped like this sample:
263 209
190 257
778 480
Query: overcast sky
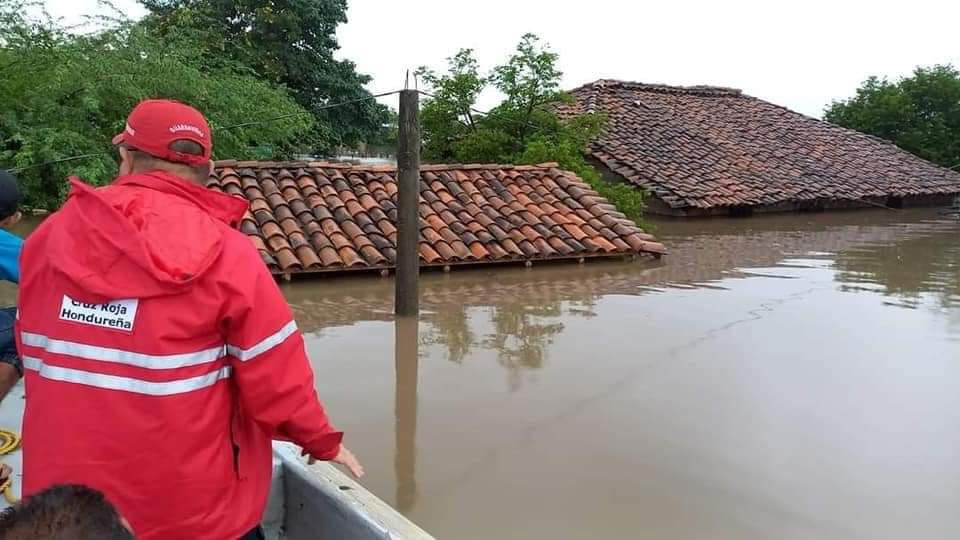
798 54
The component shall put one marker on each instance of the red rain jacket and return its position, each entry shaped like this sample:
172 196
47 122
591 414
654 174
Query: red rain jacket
161 359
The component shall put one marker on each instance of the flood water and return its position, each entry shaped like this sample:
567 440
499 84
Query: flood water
777 377
786 377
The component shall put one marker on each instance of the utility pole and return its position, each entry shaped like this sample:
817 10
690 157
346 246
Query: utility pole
408 206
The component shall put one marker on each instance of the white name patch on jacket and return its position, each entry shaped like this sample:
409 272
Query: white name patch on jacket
118 314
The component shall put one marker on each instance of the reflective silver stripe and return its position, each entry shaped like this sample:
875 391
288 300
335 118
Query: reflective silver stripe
126 384
119 356
268 343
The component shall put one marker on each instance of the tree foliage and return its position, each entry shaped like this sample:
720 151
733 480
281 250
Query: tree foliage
523 129
285 42
920 113
66 94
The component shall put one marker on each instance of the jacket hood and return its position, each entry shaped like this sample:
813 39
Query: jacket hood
146 235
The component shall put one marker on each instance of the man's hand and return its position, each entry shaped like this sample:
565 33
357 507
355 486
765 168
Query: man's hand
346 458
8 378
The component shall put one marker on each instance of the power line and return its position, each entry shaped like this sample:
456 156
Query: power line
55 161
320 108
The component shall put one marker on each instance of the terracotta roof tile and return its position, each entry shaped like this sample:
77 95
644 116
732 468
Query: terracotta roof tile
428 254
257 205
469 238
308 257
605 244
276 200
278 243
430 235
560 246
446 252
704 147
320 241
329 257
620 244
479 251
270 230
258 243
576 246
322 212
287 260
350 257
372 256
379 241
322 216
462 252
352 230
341 241
528 249
297 239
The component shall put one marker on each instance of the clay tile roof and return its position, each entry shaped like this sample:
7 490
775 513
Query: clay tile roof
703 147
320 217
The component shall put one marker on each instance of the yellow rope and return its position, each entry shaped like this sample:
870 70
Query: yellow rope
9 442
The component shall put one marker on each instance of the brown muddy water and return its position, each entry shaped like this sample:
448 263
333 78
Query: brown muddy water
778 377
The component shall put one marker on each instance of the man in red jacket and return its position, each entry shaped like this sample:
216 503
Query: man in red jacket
160 356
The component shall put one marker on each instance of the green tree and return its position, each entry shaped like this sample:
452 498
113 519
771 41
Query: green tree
386 139
286 42
919 113
523 129
66 94
448 117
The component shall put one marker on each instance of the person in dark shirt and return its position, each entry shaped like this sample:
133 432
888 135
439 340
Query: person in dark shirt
11 368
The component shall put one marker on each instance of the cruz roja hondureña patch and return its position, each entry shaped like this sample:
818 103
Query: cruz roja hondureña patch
118 314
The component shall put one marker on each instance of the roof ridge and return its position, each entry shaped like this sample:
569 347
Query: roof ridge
699 90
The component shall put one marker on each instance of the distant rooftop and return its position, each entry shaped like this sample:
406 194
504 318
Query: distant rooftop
703 148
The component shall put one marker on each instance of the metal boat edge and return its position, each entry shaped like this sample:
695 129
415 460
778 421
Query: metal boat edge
319 502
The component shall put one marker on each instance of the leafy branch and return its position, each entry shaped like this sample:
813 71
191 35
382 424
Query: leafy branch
523 129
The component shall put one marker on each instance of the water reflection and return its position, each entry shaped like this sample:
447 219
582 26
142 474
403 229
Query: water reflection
903 254
451 329
407 363
922 262
906 255
521 335
517 313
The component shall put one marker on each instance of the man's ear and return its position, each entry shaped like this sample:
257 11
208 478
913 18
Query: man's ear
10 221
126 161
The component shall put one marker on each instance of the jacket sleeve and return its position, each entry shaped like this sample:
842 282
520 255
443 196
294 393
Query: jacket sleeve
271 369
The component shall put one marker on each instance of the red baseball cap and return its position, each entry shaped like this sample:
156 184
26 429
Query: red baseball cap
156 123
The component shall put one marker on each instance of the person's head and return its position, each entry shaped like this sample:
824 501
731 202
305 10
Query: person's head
67 512
169 136
9 200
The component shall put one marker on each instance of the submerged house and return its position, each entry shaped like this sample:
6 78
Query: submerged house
327 217
705 150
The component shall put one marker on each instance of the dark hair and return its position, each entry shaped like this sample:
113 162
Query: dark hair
65 512
143 161
9 194
185 146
